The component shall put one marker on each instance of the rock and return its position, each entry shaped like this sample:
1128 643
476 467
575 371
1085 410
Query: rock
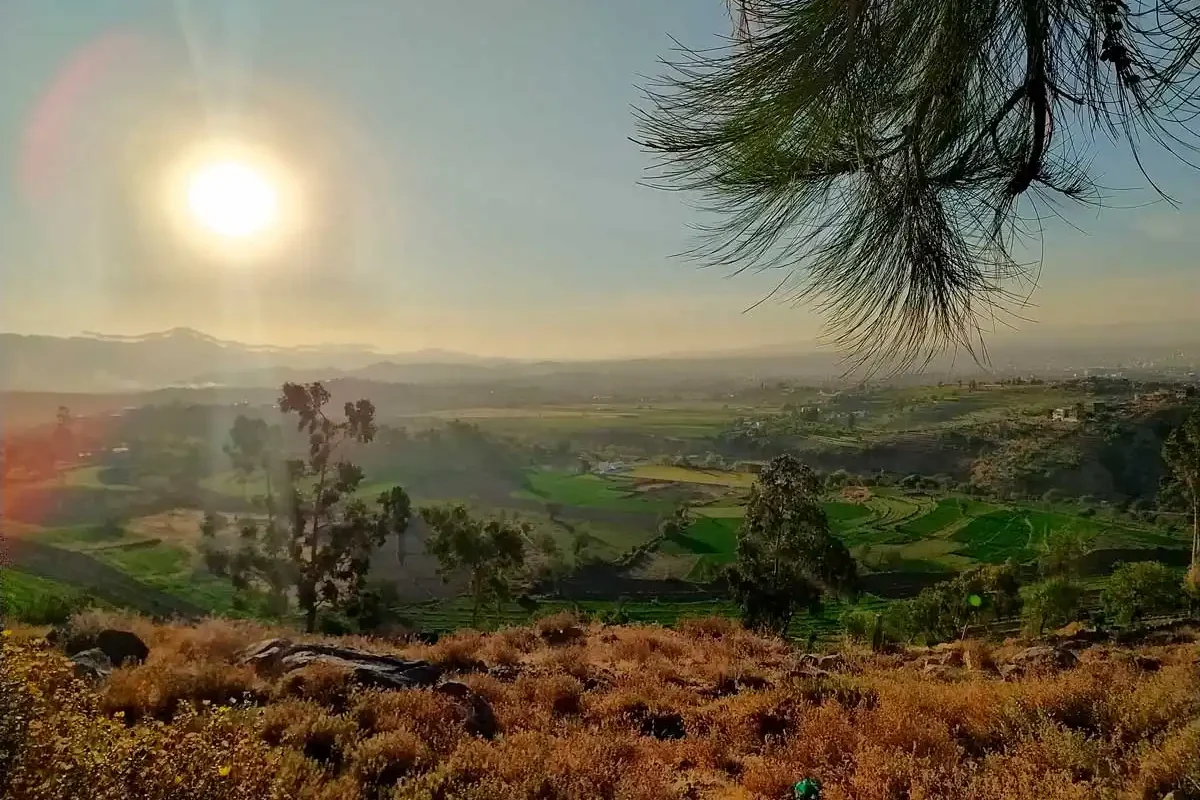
826 663
1009 671
938 671
1043 658
480 720
92 665
281 656
121 647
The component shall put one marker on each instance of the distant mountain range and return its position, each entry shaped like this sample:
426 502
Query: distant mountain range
183 357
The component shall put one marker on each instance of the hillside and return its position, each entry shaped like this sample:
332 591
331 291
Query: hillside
561 711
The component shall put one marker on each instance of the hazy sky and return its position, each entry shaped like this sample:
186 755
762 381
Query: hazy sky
470 182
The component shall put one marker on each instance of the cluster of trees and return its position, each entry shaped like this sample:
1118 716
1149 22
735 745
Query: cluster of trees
984 595
313 545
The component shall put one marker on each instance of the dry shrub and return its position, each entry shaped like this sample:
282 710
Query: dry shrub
308 729
1157 701
457 653
384 759
498 652
708 627
768 777
72 750
573 661
325 684
160 688
1172 766
558 629
211 640
94 620
521 639
433 717
642 644
561 695
748 721
629 713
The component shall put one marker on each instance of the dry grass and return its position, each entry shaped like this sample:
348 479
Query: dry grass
634 713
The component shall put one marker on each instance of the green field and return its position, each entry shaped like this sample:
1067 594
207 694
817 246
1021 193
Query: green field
173 570
22 594
945 513
590 491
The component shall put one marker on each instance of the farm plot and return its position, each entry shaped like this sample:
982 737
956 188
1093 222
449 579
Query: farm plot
946 513
995 537
591 491
22 593
843 515
743 480
172 570
894 509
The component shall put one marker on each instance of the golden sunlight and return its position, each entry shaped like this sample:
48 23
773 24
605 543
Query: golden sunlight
232 199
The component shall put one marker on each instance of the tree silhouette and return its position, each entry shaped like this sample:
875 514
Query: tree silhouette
888 157
319 547
489 552
787 557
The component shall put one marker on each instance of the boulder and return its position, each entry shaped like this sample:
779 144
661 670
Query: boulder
121 647
281 656
1043 658
480 720
826 663
937 671
92 665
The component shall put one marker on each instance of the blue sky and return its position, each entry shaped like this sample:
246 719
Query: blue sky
482 194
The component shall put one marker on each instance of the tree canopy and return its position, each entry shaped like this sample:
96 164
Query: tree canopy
787 557
888 155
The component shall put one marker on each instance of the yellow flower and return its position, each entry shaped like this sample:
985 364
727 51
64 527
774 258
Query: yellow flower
223 772
6 633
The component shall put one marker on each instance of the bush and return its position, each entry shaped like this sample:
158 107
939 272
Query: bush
1139 589
1050 604
941 612
52 609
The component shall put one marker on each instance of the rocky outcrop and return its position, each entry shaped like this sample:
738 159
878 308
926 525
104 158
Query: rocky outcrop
1039 659
92 665
277 657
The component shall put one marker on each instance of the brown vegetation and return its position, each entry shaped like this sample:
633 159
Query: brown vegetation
708 711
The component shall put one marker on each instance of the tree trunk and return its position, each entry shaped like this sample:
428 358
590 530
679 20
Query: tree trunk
310 618
1196 531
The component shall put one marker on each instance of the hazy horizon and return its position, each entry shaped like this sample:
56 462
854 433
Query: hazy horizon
467 179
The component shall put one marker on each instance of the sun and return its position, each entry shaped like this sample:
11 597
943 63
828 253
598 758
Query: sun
232 199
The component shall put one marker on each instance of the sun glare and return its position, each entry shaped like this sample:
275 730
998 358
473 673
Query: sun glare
232 199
